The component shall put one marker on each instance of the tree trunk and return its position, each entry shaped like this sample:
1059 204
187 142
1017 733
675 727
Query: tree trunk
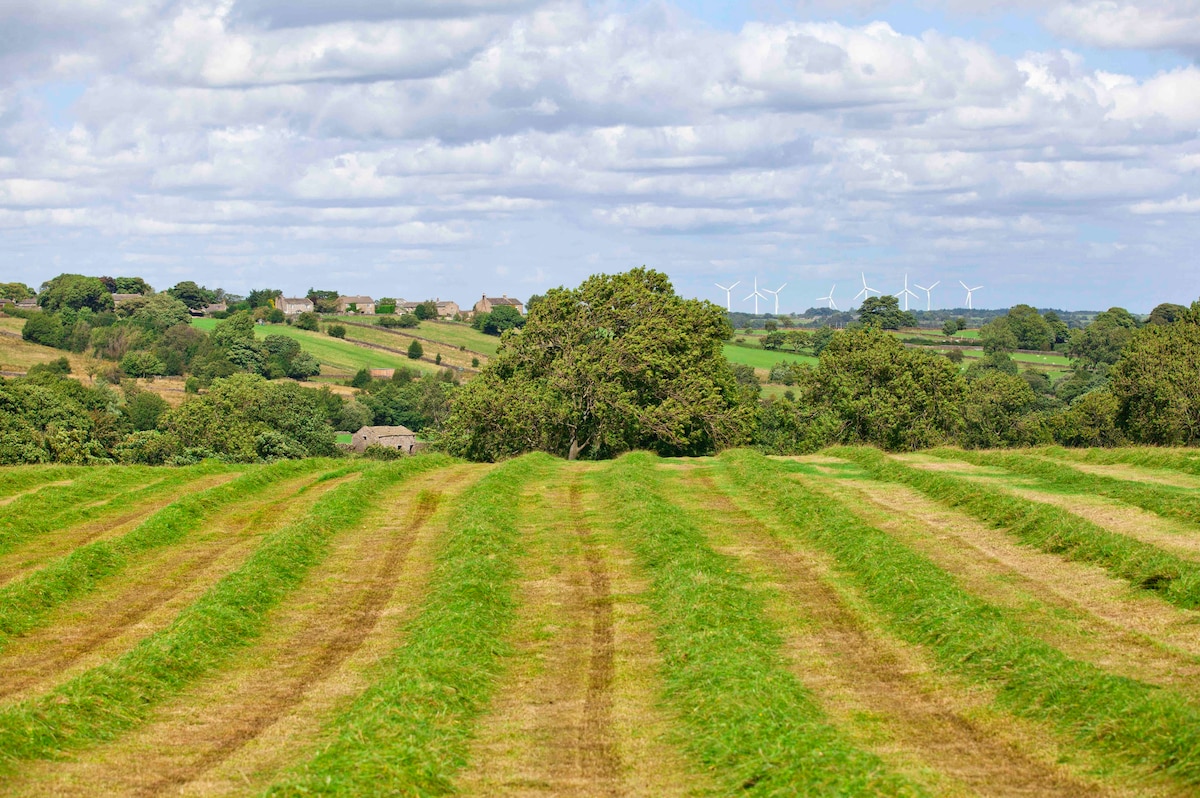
573 453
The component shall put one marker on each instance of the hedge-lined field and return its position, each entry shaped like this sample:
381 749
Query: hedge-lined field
853 623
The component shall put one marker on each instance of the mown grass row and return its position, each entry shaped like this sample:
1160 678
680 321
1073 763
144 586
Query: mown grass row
1147 457
59 507
1164 500
25 603
102 702
1046 527
922 604
407 734
15 479
743 714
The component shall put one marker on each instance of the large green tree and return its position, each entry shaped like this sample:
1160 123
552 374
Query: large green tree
1101 343
884 312
1157 384
619 363
1031 329
74 291
192 295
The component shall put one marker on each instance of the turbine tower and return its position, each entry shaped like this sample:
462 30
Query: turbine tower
728 305
906 293
757 295
776 294
926 290
866 290
829 298
969 292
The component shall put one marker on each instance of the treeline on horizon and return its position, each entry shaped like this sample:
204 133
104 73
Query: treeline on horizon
619 363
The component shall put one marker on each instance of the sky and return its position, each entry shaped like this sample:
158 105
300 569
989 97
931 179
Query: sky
1047 151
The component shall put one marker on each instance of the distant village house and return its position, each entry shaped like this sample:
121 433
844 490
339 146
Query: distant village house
292 306
487 303
447 310
356 304
400 438
121 299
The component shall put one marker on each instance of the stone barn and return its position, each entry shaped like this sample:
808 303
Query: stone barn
401 438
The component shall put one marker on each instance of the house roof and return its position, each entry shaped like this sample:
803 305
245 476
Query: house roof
504 300
386 432
294 299
118 298
356 300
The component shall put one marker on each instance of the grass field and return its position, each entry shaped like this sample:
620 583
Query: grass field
452 333
853 623
337 357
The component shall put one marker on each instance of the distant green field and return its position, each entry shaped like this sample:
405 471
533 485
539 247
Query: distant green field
451 333
763 358
337 355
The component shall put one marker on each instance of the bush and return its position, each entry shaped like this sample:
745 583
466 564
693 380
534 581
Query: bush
379 452
307 321
415 350
142 364
474 362
361 379
437 358
336 331
60 367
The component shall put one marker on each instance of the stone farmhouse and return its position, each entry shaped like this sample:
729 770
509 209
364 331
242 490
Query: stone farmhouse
487 303
400 438
294 305
121 299
362 304
447 310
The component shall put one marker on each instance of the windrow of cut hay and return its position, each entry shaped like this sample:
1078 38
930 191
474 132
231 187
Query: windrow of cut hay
16 480
1182 460
118 695
1048 528
922 604
99 492
1162 500
408 733
742 714
24 604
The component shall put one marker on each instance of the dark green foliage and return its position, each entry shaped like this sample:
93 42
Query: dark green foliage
323 301
1030 328
1157 385
126 285
262 297
426 310
620 363
144 409
336 330
745 717
996 413
17 292
45 329
417 403
502 317
415 350
884 313
307 320
406 320
192 295
361 378
46 417
74 292
60 368
1102 342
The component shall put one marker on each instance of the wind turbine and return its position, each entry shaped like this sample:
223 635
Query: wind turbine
829 298
776 293
969 292
757 295
927 290
728 305
866 289
906 293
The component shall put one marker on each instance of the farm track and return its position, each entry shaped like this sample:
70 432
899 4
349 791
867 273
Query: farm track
147 597
923 729
1073 606
312 635
32 554
552 727
20 494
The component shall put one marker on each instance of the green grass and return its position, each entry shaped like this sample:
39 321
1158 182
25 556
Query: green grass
408 733
15 479
763 358
108 699
451 333
58 507
1184 460
1163 500
25 603
1148 726
338 355
750 723
1046 528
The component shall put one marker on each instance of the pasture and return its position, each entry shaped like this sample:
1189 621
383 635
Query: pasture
853 623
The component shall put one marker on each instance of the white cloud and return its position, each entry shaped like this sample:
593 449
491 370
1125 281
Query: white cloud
1180 204
1145 24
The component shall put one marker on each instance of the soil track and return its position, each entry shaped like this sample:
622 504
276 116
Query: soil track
574 715
924 726
309 639
32 554
148 596
1075 607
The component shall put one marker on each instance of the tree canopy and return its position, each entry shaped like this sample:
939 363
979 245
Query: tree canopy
75 292
619 363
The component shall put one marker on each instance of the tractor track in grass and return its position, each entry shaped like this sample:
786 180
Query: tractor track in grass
97 627
32 554
310 638
1073 606
12 497
563 720
924 726
550 728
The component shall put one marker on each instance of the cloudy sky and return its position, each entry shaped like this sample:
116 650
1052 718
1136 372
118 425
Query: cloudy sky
1048 151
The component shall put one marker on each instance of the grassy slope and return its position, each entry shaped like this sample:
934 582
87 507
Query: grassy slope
763 358
340 356
452 333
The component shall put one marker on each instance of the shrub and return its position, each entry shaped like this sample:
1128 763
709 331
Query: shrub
336 330
308 321
437 358
378 451
415 350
